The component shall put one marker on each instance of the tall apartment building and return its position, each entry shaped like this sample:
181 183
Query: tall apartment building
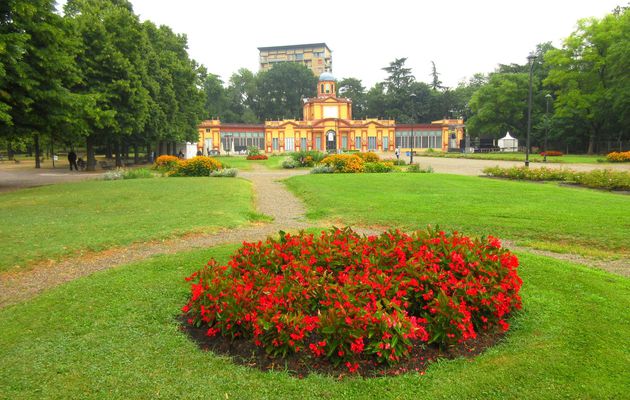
316 56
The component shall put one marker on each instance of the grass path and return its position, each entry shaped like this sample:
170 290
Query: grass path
114 335
541 215
271 198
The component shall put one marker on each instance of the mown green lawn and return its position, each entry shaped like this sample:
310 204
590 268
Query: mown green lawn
240 162
543 215
114 335
567 158
53 221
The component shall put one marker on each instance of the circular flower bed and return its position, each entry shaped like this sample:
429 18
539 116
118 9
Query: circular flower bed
352 299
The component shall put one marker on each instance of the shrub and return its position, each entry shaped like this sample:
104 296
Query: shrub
378 167
114 175
345 297
137 173
400 161
166 163
599 179
258 157
224 173
369 156
603 179
551 153
308 158
618 156
197 166
346 163
253 151
531 174
322 169
417 169
290 163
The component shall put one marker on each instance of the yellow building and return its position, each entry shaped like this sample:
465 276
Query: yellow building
327 125
315 56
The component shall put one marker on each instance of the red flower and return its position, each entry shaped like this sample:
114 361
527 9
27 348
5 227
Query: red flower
352 368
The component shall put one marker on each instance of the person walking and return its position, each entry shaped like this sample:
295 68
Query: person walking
397 152
72 159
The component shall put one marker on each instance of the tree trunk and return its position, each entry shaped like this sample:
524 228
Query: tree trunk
52 151
10 152
148 157
117 150
168 148
591 144
91 159
37 161
108 150
136 157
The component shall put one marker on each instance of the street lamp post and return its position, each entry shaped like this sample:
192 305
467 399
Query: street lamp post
413 116
547 97
530 59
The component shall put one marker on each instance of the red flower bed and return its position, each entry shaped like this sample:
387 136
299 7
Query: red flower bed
346 297
551 153
257 157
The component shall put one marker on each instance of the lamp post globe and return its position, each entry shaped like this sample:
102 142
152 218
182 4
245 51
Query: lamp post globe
530 59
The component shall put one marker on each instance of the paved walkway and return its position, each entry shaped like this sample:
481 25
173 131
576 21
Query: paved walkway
473 167
271 198
21 177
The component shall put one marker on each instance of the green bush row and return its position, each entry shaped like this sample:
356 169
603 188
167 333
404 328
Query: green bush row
598 179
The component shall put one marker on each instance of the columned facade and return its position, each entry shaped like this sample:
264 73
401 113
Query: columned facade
327 125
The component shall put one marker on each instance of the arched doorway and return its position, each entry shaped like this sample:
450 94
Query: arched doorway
331 140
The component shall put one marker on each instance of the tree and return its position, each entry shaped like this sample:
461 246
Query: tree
436 83
400 77
353 89
112 66
36 68
280 90
500 106
175 84
216 101
589 73
241 96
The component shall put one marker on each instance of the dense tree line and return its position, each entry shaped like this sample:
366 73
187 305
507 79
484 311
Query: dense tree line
95 74
581 92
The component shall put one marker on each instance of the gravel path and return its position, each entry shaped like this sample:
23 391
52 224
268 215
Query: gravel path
271 198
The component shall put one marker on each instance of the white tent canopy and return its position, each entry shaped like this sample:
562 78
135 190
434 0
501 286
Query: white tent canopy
508 143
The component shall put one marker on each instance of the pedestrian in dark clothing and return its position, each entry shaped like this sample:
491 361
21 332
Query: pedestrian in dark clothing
72 159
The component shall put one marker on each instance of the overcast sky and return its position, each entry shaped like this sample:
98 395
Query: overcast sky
462 37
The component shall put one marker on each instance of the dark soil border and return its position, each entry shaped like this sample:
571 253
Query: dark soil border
245 352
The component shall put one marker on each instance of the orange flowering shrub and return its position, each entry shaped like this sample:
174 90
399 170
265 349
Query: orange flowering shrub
369 156
347 163
197 166
617 156
166 163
